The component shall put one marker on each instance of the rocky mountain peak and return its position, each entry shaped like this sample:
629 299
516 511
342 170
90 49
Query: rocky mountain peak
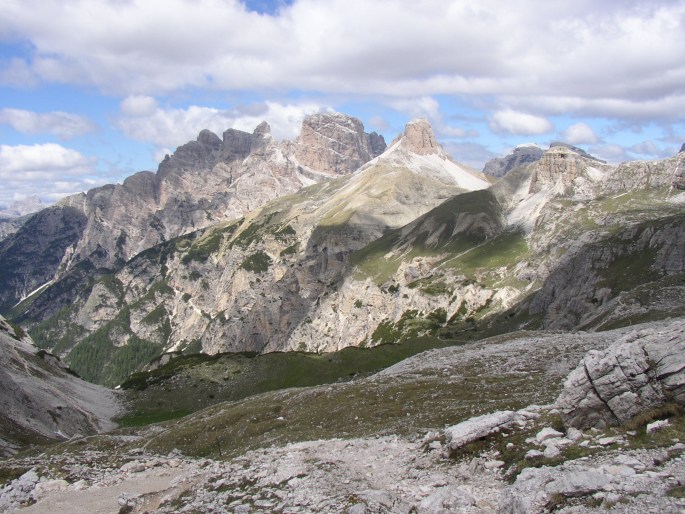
579 151
209 138
28 205
419 138
263 129
682 148
522 155
335 143
558 166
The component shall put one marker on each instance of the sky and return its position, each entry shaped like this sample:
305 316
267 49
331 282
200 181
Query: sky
92 91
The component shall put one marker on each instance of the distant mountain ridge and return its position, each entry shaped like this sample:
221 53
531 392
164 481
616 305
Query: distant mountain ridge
251 284
203 182
413 243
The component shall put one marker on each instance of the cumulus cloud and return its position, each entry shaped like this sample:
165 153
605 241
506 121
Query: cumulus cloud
64 125
580 134
627 51
515 122
48 170
141 118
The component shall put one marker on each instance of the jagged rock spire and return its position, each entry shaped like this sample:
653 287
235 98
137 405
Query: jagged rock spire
419 137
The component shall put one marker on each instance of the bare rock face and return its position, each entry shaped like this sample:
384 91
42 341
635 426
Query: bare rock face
679 175
419 138
640 371
30 257
205 181
335 143
522 155
558 167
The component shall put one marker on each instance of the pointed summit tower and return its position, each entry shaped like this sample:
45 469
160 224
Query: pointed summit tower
418 150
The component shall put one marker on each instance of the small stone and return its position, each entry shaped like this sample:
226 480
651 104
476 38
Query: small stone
611 499
657 425
547 433
533 454
606 441
660 458
494 464
619 471
551 452
578 484
574 434
50 486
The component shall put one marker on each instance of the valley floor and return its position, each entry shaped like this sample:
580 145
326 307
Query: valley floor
526 468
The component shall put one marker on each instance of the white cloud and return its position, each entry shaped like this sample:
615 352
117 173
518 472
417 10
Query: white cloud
624 52
515 122
580 134
417 107
142 119
48 170
64 125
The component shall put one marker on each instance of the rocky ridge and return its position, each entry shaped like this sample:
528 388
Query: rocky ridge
521 156
268 270
373 258
204 182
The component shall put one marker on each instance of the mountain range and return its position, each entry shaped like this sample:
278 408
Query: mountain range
331 324
224 250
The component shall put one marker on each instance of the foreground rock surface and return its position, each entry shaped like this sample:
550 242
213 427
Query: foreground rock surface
643 370
386 473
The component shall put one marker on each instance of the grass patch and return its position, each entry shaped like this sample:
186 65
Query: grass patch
196 381
210 242
9 473
139 420
258 262
455 226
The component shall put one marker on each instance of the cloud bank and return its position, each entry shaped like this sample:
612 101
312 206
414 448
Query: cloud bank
626 57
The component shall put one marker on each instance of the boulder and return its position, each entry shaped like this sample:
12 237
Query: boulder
476 428
641 371
579 483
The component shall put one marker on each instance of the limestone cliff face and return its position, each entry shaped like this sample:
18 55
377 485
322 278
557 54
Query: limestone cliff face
557 168
335 143
203 182
30 257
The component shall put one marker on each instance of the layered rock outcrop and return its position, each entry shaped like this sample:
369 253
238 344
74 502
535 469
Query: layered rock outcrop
335 144
641 371
557 169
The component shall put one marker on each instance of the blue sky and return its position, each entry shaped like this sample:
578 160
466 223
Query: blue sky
92 91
